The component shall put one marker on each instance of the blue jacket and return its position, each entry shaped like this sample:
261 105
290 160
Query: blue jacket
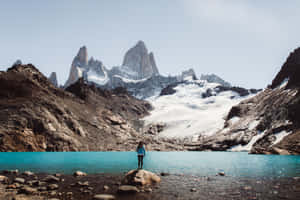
141 151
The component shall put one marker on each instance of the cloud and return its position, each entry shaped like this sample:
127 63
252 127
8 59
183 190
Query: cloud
241 14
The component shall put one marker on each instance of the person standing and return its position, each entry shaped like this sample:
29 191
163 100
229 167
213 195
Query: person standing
141 152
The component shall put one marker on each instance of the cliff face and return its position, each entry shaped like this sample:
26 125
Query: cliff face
268 123
37 116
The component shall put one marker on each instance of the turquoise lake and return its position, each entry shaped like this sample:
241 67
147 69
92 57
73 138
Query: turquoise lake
236 164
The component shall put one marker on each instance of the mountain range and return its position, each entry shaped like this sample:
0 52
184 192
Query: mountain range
112 109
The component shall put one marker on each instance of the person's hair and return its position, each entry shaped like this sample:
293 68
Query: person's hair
140 144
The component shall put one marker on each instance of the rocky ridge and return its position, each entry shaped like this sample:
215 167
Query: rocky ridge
267 123
37 116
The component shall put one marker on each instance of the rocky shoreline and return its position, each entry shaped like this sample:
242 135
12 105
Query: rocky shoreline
141 184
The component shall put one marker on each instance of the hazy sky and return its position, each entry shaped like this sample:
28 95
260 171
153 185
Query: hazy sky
243 41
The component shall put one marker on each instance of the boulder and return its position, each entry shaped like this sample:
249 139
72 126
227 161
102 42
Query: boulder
129 189
141 178
104 197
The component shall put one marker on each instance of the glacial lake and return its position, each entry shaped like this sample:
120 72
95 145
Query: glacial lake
236 164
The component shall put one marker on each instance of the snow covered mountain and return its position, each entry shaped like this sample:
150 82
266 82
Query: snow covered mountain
267 123
139 73
193 109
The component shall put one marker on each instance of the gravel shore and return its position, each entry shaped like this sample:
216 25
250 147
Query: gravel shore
42 186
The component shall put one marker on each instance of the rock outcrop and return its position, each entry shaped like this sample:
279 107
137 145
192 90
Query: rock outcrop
37 116
53 79
79 65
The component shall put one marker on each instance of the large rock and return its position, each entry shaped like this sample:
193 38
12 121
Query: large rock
140 178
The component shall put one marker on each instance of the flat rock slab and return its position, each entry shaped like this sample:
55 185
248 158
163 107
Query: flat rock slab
128 189
104 197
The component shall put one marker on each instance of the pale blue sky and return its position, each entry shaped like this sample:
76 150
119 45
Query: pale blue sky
243 41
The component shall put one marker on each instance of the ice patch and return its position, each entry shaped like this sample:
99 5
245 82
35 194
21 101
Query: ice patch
248 146
284 83
127 80
94 77
279 136
234 120
253 124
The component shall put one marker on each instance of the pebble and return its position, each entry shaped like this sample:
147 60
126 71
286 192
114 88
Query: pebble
105 187
86 183
79 173
51 179
3 179
164 174
52 187
193 190
19 180
127 189
247 188
28 173
27 190
149 190
221 173
104 197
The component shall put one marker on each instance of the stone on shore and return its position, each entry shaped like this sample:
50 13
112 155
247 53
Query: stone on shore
51 179
128 189
52 187
11 171
79 173
19 180
28 173
221 173
140 178
27 190
104 197
3 179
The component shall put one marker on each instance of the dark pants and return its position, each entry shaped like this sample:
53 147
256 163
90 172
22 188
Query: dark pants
140 159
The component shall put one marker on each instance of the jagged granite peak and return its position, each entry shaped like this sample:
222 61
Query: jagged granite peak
17 62
96 66
53 79
212 78
79 64
290 71
140 62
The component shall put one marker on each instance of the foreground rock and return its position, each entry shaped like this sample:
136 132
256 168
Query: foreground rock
104 197
128 189
141 178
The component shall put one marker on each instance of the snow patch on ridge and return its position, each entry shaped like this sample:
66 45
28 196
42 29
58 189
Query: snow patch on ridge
187 114
94 77
279 136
